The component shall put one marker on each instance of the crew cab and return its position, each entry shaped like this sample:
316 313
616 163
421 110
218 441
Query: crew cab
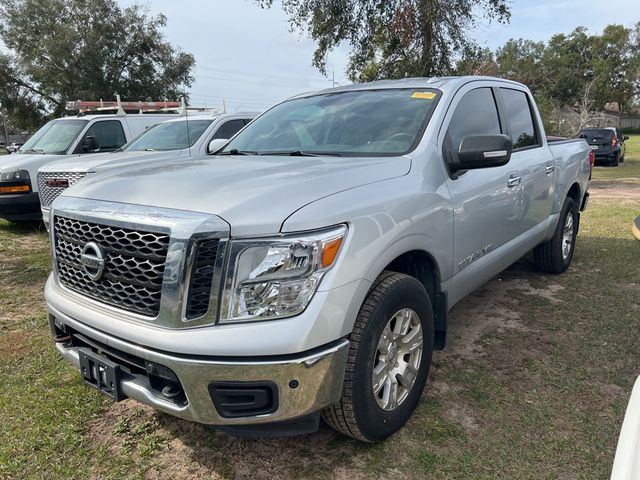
67 137
307 267
182 137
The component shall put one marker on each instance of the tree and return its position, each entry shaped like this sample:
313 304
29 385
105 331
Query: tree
477 61
392 38
69 49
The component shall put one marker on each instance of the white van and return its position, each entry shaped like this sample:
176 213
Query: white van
65 137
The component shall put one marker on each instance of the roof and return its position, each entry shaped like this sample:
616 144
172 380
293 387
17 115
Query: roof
413 82
113 115
211 116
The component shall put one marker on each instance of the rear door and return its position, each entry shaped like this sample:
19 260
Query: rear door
532 189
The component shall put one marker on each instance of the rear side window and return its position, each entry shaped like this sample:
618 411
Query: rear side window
109 135
476 114
518 111
229 129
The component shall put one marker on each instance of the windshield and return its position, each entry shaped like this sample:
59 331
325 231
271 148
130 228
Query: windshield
169 136
358 123
55 137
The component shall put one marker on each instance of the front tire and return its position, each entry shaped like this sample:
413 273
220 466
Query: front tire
389 359
555 255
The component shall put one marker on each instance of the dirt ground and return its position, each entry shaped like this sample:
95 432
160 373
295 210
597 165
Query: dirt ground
625 188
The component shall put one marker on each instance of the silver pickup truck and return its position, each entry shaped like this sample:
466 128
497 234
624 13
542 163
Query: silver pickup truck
307 267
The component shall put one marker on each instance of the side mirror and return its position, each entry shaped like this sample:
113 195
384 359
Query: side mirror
483 151
216 144
90 144
625 138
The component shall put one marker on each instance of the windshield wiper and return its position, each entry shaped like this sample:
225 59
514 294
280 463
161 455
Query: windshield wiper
33 150
235 151
302 153
150 149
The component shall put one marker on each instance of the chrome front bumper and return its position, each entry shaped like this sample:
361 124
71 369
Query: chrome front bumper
306 383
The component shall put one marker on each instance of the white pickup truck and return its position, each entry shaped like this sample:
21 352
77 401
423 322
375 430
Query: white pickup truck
67 137
307 268
181 137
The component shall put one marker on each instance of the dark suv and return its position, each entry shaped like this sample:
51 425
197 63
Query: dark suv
606 143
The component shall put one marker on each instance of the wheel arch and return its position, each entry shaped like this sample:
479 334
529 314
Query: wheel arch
575 193
422 266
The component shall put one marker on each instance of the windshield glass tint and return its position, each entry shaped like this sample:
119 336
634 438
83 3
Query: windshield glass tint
55 137
169 136
370 122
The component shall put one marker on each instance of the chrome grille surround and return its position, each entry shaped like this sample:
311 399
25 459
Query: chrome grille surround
147 273
49 194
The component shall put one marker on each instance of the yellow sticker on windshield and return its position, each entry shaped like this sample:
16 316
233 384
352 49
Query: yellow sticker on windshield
424 95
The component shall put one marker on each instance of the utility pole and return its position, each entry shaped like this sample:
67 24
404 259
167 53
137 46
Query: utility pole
4 126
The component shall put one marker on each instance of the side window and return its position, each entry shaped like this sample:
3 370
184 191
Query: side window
228 129
518 111
109 136
476 114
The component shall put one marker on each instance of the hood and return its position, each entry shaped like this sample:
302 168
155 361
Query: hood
255 194
26 161
99 161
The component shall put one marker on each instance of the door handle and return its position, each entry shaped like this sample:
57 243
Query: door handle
513 181
548 169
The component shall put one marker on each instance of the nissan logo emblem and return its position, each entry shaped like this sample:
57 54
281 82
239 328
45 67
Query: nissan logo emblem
92 260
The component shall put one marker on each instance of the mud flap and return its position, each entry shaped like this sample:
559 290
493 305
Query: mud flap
440 321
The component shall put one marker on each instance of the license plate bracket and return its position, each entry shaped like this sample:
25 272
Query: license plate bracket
101 373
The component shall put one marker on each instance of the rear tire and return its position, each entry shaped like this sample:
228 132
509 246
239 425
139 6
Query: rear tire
616 160
555 255
372 411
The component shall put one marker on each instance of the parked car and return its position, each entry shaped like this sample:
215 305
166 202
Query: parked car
182 137
308 267
14 147
66 137
605 143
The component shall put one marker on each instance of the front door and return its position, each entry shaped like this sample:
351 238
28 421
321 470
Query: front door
482 198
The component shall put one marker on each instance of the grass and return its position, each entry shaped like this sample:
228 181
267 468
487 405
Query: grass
533 384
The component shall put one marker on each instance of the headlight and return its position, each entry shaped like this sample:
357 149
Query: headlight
15 175
275 278
17 181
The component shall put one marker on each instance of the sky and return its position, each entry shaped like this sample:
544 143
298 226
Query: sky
248 57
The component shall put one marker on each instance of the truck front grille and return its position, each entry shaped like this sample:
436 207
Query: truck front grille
133 263
52 184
